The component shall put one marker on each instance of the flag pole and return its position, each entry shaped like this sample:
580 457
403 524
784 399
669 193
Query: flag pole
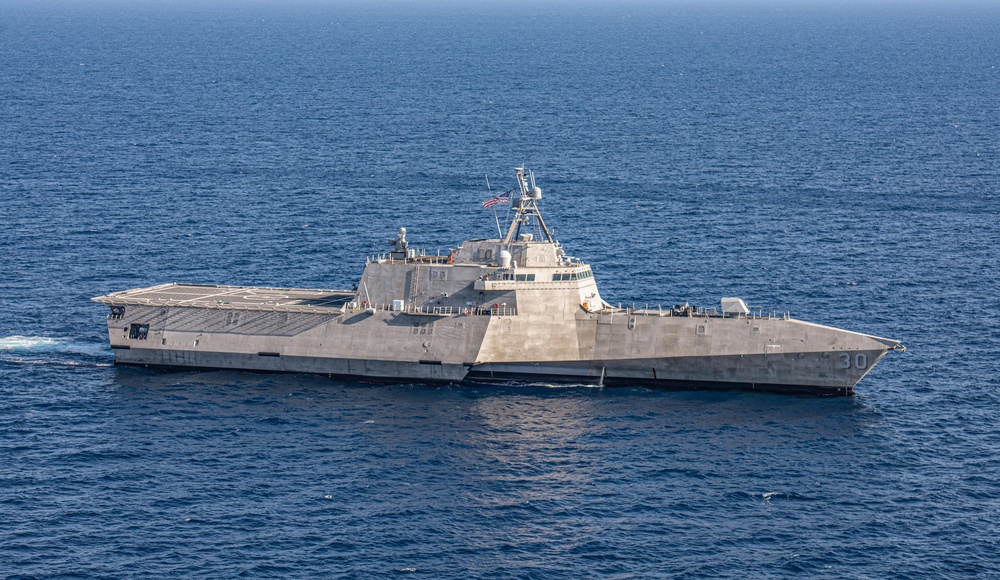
497 218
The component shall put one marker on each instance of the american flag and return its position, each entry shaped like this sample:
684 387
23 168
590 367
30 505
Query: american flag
492 202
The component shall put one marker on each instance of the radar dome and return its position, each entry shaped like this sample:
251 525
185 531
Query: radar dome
505 259
536 192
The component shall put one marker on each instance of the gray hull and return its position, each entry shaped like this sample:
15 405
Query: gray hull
625 347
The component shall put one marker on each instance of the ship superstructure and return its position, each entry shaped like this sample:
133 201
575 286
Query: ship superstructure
516 308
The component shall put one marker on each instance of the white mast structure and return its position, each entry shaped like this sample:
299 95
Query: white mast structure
527 208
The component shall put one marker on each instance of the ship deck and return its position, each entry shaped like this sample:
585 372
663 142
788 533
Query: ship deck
232 297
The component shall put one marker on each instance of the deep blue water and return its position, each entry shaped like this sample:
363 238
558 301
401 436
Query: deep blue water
842 164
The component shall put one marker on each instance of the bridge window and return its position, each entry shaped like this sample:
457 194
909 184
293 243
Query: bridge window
583 275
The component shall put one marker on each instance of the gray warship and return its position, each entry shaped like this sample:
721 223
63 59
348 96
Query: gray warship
516 308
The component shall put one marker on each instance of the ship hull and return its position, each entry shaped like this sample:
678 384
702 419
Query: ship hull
384 346
816 373
331 333
718 375
380 371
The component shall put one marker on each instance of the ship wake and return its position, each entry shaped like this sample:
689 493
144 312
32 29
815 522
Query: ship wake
45 350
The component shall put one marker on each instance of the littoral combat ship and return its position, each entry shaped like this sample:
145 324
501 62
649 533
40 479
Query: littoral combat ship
512 309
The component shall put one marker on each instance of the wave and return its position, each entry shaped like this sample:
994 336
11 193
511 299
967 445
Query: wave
38 350
62 363
27 342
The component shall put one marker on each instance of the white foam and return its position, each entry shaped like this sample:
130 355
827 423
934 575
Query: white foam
47 344
85 348
30 342
25 361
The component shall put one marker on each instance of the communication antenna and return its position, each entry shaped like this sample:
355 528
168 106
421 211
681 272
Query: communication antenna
527 207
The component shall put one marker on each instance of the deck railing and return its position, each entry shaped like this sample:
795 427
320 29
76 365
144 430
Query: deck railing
247 307
756 312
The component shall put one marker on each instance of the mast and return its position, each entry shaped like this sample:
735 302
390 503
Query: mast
526 207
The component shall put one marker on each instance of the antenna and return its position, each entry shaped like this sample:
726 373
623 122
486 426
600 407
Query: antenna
527 207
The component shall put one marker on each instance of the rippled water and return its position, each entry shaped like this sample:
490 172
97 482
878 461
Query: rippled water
841 164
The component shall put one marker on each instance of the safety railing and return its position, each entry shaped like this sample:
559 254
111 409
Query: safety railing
247 307
756 312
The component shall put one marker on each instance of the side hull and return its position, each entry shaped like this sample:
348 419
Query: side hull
496 377
672 384
352 369
814 373
739 373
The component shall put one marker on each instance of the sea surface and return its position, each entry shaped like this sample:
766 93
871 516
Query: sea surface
838 162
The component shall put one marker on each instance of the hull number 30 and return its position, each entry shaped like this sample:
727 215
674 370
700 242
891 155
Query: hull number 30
860 360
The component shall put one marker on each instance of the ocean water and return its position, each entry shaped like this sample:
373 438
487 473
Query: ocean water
840 163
